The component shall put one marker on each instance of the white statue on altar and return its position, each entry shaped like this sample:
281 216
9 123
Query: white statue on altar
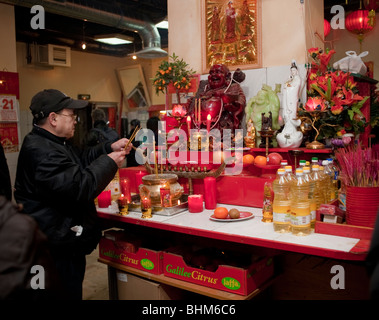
291 137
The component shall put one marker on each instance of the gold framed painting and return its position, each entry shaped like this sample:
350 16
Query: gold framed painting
231 33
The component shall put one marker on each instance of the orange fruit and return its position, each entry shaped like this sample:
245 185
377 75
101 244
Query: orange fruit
248 159
221 213
260 160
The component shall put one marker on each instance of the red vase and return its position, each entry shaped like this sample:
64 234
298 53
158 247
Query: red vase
362 204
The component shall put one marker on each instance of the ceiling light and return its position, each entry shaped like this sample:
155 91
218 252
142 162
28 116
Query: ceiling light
114 39
162 25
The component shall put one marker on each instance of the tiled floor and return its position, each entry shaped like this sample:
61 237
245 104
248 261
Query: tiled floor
95 285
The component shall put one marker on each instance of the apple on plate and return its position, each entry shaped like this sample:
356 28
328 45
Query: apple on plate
274 158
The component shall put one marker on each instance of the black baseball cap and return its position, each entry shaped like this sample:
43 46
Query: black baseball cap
52 100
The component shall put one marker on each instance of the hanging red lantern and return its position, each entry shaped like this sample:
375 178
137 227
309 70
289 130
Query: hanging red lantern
371 5
357 22
326 28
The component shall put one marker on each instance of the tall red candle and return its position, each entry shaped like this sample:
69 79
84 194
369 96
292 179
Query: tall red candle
189 125
104 199
195 203
208 122
210 193
125 189
139 176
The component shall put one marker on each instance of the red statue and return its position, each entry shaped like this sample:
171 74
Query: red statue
221 97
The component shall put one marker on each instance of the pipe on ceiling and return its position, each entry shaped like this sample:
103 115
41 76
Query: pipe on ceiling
151 40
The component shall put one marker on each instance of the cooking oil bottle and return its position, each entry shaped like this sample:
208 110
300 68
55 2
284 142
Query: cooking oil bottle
314 161
326 184
281 204
289 175
335 174
319 194
283 164
300 205
313 203
302 164
329 172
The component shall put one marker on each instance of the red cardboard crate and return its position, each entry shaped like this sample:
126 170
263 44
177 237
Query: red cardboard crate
226 278
143 259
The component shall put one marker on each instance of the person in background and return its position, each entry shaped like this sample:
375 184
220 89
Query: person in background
131 160
152 124
57 183
100 131
5 178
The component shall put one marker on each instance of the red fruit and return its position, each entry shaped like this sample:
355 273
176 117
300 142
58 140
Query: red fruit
274 158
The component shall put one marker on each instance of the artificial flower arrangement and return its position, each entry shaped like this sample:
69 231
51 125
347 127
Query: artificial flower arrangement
175 72
333 94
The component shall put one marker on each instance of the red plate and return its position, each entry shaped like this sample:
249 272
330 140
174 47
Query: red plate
243 216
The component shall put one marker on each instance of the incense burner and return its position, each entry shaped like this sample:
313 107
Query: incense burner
154 182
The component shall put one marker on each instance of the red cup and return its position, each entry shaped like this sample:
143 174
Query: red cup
195 203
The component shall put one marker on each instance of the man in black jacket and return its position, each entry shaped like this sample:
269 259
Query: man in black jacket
5 178
57 185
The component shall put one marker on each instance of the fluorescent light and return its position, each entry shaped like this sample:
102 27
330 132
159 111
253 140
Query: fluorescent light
114 39
162 25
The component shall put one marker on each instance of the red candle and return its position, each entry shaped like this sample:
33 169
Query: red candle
139 176
125 189
104 199
210 193
123 200
195 203
189 124
208 123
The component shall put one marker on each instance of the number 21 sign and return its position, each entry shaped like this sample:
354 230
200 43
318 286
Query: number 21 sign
8 108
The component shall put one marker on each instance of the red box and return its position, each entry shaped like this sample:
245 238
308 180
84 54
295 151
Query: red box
143 259
226 278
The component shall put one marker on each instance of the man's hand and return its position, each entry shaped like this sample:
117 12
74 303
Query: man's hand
118 157
120 145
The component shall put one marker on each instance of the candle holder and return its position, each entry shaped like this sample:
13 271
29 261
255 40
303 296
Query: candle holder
123 207
267 134
146 207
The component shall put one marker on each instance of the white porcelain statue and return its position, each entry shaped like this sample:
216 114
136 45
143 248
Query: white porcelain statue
291 137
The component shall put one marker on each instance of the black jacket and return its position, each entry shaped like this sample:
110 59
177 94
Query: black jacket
22 246
57 186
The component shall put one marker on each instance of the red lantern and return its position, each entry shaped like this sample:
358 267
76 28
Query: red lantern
371 5
357 22
326 28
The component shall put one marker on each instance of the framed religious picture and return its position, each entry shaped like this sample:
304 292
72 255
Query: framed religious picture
231 33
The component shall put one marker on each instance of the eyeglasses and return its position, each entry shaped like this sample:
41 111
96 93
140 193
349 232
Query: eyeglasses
73 116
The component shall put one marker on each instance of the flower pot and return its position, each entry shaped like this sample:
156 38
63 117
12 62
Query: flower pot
362 204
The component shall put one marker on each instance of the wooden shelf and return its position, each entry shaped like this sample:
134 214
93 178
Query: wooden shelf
209 292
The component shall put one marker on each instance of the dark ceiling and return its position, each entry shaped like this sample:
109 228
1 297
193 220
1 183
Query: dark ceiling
67 31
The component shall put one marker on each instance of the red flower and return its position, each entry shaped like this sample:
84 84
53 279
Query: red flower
178 110
315 104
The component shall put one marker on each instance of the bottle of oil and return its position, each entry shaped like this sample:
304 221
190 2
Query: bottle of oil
318 195
326 182
289 175
328 172
302 164
335 174
283 164
314 161
281 205
313 203
300 205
